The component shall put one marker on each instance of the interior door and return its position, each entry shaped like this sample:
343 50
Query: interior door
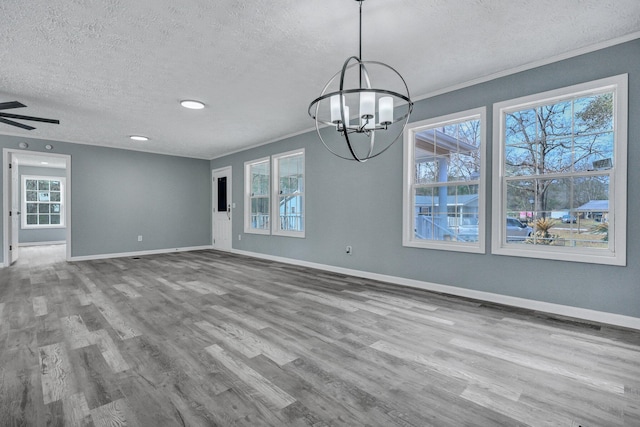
222 218
15 213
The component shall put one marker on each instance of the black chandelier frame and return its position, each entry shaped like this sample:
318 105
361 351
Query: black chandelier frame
364 127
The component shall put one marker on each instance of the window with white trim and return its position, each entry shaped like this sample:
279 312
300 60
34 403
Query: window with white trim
444 188
257 196
288 194
42 202
560 167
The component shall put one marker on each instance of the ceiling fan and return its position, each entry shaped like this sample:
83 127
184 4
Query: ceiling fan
4 117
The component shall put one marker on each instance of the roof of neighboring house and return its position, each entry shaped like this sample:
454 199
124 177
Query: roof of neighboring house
465 200
595 206
433 142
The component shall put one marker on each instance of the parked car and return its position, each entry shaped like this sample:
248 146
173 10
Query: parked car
568 219
468 230
516 230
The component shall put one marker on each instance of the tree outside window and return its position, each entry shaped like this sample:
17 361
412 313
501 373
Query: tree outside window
561 156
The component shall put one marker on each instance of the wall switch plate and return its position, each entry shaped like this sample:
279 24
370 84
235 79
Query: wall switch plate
140 238
239 236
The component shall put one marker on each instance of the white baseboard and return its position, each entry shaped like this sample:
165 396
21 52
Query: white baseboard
138 253
547 307
56 242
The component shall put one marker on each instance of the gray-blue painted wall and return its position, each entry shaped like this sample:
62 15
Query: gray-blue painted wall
361 204
120 194
30 235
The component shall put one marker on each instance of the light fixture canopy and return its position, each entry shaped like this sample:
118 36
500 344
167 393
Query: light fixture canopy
139 138
367 119
192 104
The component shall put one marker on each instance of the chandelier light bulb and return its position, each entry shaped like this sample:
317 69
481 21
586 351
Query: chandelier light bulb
385 110
335 109
346 117
367 105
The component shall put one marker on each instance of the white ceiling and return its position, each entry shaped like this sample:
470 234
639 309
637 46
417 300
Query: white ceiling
110 69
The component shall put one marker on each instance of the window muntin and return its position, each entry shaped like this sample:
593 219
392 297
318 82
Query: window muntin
288 198
42 202
258 196
444 189
562 169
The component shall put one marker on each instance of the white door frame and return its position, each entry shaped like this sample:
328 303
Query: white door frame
6 202
227 171
15 208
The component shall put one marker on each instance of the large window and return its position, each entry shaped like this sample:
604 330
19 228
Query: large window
257 196
42 202
288 198
560 174
444 185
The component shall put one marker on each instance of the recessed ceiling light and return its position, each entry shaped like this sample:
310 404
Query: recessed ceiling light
193 105
44 163
139 138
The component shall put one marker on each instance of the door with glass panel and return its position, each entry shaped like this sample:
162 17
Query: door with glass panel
222 205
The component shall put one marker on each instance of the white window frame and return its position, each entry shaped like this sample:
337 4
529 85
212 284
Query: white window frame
23 202
616 253
248 196
408 202
275 199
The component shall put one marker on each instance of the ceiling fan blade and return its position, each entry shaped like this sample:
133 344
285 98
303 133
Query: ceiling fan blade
11 104
12 123
35 119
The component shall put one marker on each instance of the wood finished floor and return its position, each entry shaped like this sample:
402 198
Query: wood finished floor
209 338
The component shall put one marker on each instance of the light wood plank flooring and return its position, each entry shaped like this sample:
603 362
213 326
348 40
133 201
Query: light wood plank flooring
209 338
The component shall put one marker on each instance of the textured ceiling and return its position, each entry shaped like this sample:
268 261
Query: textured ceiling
108 69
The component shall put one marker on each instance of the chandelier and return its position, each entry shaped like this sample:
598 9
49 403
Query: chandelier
367 120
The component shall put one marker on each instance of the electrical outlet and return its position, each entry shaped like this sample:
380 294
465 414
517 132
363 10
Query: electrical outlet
239 236
349 250
140 238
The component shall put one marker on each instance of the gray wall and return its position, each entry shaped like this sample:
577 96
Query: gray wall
30 235
120 194
361 204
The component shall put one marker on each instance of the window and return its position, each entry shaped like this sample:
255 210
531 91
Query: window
560 174
288 196
444 189
257 196
42 202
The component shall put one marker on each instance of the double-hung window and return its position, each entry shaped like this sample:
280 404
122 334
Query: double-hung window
559 183
444 188
42 202
274 195
257 196
288 194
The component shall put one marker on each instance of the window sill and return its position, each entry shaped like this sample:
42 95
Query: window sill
41 227
606 257
446 246
256 231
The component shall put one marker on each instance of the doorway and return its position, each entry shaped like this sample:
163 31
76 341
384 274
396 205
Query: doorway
222 207
38 213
